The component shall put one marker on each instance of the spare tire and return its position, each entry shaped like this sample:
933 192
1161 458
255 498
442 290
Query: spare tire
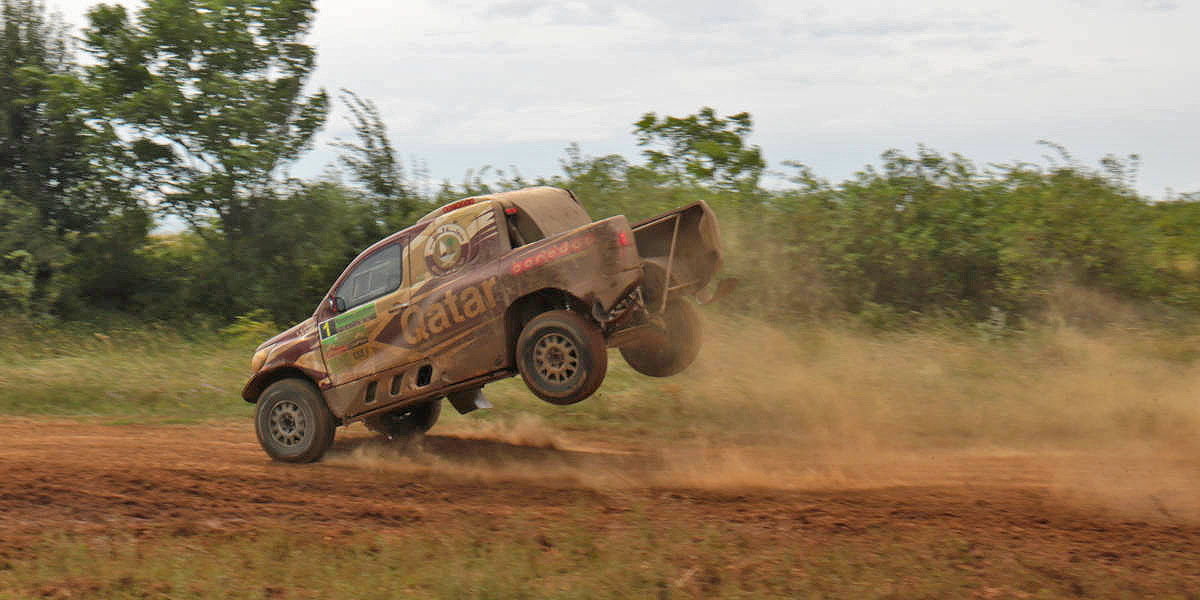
673 351
406 422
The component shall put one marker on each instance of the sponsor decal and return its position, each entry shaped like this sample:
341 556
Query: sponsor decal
453 206
455 309
344 337
347 320
447 245
553 252
340 343
348 357
446 249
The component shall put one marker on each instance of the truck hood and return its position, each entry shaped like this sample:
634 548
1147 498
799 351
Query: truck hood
292 332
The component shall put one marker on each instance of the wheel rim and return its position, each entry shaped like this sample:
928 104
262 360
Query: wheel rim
288 424
555 358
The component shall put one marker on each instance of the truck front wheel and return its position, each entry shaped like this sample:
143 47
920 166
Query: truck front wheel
674 350
562 357
292 421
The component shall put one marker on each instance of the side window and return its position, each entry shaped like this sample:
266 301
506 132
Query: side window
521 229
375 276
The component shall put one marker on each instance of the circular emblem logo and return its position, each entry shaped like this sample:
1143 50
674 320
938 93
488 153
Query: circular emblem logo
446 249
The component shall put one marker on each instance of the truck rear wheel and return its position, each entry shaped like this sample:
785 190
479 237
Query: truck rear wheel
406 422
671 353
562 357
292 421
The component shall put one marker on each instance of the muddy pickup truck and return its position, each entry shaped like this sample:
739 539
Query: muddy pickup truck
479 290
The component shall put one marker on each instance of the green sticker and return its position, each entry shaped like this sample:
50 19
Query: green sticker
344 340
349 320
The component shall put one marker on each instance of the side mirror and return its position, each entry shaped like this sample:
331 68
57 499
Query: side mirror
337 303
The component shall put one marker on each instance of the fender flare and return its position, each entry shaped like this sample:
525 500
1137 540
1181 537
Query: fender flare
266 377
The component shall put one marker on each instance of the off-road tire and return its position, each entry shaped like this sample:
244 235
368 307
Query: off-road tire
292 422
562 357
406 422
668 354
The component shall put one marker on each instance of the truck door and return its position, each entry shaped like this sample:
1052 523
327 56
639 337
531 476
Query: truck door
373 292
456 316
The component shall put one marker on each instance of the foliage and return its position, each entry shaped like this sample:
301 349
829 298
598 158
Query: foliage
57 184
182 275
16 281
195 108
109 266
212 95
252 327
48 154
315 231
32 259
929 236
205 101
373 164
702 148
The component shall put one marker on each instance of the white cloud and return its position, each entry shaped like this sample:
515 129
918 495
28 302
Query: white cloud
829 83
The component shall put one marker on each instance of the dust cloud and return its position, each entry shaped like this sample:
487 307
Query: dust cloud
1104 416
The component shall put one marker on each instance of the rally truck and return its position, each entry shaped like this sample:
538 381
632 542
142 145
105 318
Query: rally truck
488 287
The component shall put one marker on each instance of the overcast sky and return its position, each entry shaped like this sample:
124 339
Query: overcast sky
831 84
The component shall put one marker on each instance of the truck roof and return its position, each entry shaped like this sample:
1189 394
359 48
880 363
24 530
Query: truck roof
553 208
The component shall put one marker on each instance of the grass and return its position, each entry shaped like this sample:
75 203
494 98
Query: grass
149 374
565 558
753 382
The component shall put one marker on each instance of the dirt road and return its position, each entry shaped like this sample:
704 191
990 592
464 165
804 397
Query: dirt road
1063 509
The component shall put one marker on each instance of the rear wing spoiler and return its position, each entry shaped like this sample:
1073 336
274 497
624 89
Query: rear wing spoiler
681 253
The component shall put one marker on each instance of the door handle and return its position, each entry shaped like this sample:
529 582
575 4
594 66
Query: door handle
397 308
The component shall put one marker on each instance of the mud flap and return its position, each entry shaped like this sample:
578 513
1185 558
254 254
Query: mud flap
468 400
724 288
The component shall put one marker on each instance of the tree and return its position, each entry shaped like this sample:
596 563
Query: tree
600 182
206 101
702 149
373 164
49 156
32 259
207 98
337 224
59 183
